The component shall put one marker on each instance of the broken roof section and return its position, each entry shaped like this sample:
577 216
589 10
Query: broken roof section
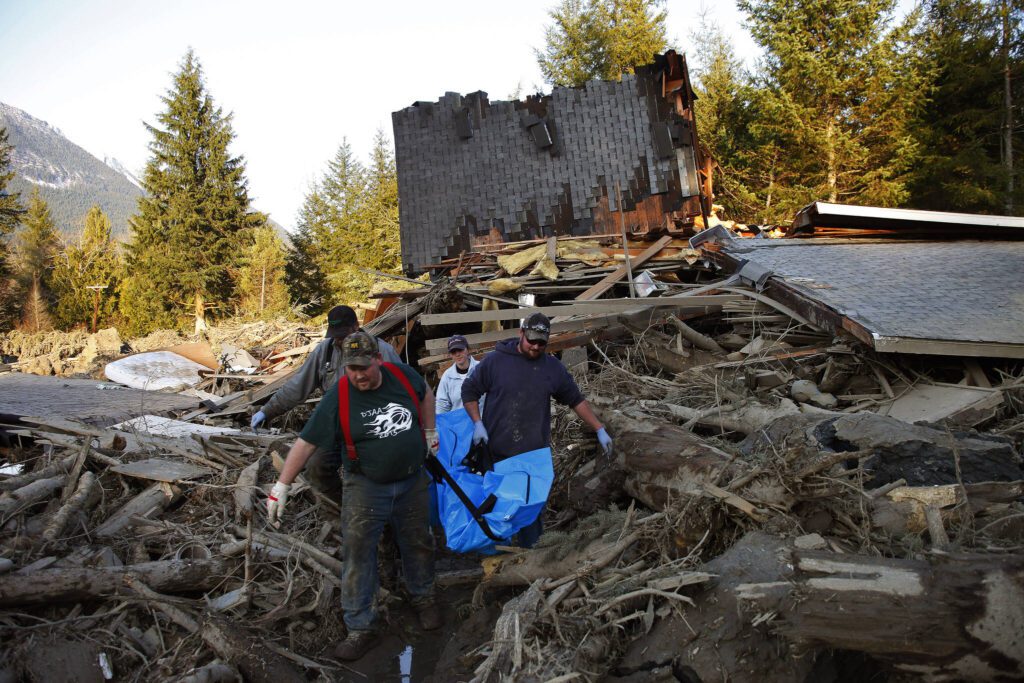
473 171
946 296
823 219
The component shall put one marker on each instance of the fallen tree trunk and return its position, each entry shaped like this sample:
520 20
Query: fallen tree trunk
30 494
85 583
948 617
665 462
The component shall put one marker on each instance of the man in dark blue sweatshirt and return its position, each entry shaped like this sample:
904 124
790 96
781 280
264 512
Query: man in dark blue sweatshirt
520 378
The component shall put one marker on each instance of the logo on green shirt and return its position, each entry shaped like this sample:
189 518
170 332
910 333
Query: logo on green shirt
389 421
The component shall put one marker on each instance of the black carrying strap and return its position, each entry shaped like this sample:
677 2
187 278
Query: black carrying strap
440 474
479 459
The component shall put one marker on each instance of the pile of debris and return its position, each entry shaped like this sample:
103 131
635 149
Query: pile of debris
780 486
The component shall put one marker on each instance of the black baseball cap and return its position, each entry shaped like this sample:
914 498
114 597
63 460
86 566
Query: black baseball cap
341 321
457 341
537 327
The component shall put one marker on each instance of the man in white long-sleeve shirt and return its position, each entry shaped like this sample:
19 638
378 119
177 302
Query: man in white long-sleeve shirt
449 391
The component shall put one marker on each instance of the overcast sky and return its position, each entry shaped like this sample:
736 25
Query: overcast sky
298 76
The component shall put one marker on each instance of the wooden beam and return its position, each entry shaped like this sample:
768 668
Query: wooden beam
482 338
581 308
620 272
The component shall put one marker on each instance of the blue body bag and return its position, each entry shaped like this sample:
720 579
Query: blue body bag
520 486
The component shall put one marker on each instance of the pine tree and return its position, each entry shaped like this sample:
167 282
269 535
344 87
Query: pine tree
724 115
261 279
92 261
10 205
194 221
341 234
10 216
35 246
839 91
601 39
959 128
306 281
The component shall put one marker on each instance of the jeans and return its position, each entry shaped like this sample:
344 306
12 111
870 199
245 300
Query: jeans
365 508
528 535
322 472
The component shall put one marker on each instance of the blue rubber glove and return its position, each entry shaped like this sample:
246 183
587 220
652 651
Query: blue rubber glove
258 419
479 432
605 440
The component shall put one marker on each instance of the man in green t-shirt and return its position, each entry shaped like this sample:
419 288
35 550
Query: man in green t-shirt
382 417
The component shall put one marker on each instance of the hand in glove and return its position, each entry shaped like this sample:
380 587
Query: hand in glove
479 432
258 419
605 440
276 501
432 442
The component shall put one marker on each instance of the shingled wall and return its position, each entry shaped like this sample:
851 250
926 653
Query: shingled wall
471 169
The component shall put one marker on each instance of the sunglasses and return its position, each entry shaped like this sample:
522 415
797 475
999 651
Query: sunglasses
539 343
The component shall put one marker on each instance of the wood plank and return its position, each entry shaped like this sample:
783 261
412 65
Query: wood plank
602 306
620 272
156 469
482 338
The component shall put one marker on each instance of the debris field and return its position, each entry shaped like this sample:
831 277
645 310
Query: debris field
793 496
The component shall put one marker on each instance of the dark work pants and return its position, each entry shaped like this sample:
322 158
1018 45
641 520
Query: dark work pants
365 508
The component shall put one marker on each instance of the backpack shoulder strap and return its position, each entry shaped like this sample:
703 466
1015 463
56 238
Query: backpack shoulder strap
343 416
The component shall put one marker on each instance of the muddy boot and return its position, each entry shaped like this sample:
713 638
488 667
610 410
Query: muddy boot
430 616
356 645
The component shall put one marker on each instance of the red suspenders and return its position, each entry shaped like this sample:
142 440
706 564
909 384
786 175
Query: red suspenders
343 406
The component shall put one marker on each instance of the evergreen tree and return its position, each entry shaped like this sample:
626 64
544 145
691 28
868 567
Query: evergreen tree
348 223
92 261
306 281
961 167
340 234
838 92
601 39
10 216
724 116
261 279
10 206
35 246
194 221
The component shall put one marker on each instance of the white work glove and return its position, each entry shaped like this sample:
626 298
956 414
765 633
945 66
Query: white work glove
276 501
258 419
606 441
479 432
432 442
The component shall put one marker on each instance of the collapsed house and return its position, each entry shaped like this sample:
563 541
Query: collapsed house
817 473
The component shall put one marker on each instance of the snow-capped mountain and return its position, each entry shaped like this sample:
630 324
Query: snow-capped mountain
123 170
69 178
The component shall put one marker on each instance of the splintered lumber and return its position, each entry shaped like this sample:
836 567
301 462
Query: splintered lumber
89 583
244 489
517 616
257 662
86 494
946 617
147 504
